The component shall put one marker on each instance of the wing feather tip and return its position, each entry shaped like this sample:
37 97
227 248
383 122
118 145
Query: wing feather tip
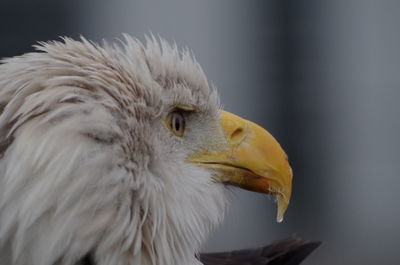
290 251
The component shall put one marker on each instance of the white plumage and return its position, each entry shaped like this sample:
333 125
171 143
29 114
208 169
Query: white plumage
72 179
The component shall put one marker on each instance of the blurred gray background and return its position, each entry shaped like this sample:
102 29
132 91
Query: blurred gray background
322 76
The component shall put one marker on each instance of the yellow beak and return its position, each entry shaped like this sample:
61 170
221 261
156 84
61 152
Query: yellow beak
251 159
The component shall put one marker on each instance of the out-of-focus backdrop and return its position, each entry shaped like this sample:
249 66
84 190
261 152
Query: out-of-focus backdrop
322 76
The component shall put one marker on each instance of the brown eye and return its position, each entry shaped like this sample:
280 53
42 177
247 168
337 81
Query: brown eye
177 123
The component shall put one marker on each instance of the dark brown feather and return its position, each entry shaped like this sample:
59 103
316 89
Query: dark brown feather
291 251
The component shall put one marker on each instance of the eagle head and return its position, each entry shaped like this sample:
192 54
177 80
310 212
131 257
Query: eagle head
121 153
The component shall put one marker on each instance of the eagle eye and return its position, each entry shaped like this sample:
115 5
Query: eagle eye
176 122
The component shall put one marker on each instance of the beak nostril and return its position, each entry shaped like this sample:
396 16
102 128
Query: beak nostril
237 135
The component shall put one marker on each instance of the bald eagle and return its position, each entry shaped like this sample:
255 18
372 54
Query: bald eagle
120 154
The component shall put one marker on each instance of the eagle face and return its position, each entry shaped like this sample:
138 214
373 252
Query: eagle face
121 154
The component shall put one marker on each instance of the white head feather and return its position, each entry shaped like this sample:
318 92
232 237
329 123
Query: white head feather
86 166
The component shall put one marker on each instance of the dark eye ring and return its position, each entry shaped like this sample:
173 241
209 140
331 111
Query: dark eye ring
176 122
